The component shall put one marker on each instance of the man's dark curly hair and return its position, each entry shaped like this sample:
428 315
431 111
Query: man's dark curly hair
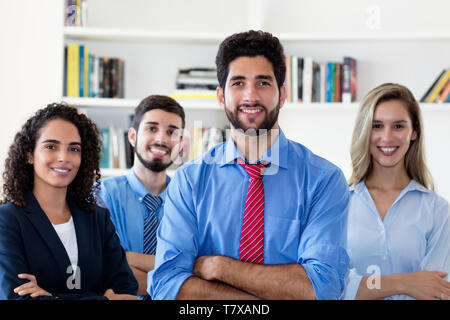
18 176
251 44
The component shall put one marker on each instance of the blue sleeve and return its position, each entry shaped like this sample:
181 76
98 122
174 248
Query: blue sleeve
437 256
177 241
322 244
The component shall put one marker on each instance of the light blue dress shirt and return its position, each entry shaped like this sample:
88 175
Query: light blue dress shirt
123 196
414 235
306 203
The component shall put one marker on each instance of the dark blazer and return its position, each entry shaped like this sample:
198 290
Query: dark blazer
30 244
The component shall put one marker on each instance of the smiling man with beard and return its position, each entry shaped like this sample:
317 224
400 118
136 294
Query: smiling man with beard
136 200
258 216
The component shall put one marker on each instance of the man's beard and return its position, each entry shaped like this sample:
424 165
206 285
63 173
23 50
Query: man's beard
155 165
269 120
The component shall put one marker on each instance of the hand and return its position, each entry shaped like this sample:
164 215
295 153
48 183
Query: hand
31 287
207 267
426 285
113 296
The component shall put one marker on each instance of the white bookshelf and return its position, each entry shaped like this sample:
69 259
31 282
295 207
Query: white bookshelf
154 49
139 35
110 172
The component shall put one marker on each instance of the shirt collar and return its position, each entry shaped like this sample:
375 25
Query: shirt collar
413 185
276 155
139 188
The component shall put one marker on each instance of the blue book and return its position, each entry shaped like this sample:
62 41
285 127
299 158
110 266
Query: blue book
104 155
81 75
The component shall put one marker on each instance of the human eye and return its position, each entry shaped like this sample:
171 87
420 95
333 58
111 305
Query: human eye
75 149
152 129
50 147
264 83
237 84
377 126
398 126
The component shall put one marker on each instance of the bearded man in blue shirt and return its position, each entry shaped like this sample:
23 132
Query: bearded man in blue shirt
136 200
259 216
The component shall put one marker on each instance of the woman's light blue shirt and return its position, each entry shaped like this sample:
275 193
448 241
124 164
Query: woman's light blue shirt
414 235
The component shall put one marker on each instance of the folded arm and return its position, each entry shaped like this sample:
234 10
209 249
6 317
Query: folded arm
273 282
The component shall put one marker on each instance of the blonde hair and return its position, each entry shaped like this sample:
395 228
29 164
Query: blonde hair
360 148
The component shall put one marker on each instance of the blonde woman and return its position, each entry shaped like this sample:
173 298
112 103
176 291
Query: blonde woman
398 227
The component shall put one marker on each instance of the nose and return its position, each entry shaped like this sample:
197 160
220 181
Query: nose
162 137
387 134
251 94
62 155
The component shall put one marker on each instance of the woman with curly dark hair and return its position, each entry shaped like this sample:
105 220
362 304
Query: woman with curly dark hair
54 241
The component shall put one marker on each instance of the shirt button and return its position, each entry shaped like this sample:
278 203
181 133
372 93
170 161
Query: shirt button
384 258
140 199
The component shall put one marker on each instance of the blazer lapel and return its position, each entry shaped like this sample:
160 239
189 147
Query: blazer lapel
48 234
80 222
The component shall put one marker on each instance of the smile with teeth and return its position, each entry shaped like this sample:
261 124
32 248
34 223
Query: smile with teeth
387 149
251 111
158 151
61 170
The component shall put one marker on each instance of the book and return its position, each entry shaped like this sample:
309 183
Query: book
194 94
445 93
307 79
439 86
287 81
294 78
73 60
427 93
300 79
104 155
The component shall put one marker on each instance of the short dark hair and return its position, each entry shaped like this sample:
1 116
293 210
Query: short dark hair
251 44
157 102
18 176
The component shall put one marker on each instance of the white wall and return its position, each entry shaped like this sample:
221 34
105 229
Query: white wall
30 62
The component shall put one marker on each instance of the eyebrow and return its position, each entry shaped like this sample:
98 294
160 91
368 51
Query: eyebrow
260 76
157 123
397 121
58 142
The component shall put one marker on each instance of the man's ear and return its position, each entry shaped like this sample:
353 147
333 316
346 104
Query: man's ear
132 137
220 97
283 94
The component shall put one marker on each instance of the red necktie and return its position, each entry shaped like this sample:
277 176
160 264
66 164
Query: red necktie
252 235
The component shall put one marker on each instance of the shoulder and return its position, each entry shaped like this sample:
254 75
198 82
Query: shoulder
10 214
205 163
308 161
113 183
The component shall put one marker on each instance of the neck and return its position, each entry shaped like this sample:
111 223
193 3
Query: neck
53 202
254 147
392 178
154 182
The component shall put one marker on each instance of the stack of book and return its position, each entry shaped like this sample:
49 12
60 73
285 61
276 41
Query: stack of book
117 152
195 83
87 75
439 91
309 81
203 139
76 13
